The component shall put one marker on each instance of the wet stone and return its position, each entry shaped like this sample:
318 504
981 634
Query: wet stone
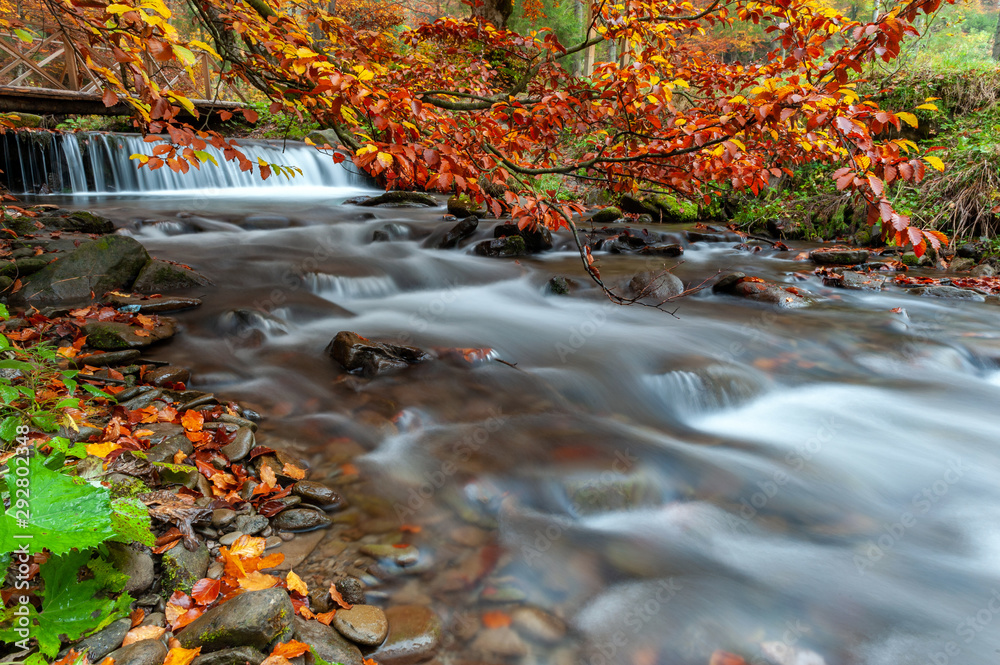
136 563
538 625
100 644
153 305
414 635
351 589
236 656
833 257
318 494
182 567
401 556
328 644
110 359
170 374
300 519
144 652
242 444
251 524
500 643
254 618
239 422
362 624
223 517
230 538
952 292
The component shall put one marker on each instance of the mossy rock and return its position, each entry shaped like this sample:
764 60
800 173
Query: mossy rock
607 215
106 264
22 267
23 120
19 225
465 206
159 276
181 568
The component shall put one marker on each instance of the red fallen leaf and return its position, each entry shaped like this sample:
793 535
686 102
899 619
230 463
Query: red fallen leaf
258 451
171 535
71 657
163 548
205 591
337 598
137 615
187 617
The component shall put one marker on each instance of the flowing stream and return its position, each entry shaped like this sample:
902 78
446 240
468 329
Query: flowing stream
806 486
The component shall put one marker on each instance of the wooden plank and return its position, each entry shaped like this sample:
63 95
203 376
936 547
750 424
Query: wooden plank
66 102
30 64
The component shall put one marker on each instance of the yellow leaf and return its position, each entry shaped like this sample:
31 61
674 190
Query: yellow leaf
365 75
908 118
102 450
295 583
118 9
935 162
385 159
928 107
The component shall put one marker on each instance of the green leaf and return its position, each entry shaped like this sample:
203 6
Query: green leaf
45 421
4 342
8 428
97 392
62 512
130 520
68 403
24 35
62 445
69 606
4 314
8 394
70 384
17 364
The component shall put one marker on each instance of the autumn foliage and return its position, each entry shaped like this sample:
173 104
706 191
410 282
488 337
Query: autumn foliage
460 105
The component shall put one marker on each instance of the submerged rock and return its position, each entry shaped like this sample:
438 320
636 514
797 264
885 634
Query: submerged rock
501 248
655 285
948 292
414 635
358 354
606 215
459 232
535 239
362 624
757 289
106 264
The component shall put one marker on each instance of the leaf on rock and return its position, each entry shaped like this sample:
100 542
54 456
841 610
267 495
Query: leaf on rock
295 584
181 656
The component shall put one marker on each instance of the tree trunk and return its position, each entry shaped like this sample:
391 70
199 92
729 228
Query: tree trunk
996 39
495 11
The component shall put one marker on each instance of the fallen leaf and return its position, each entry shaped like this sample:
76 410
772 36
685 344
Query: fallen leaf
326 618
275 660
256 581
292 472
720 657
496 619
205 591
290 649
295 584
192 421
337 598
102 450
143 633
267 477
181 656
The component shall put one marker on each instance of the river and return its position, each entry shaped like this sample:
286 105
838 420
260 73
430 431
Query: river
808 486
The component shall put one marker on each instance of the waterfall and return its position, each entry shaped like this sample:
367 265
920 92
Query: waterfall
89 163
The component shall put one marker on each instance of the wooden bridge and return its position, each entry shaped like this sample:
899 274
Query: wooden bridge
50 76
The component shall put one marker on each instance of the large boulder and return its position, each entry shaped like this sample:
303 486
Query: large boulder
255 619
606 215
506 247
80 221
105 264
658 286
158 276
359 354
537 239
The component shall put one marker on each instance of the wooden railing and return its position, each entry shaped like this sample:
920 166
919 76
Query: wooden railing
54 63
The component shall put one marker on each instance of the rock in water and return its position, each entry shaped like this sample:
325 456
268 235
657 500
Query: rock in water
948 292
300 519
535 239
114 336
606 215
842 257
327 643
464 206
362 624
460 231
157 276
656 286
254 618
506 247
358 354
106 264
399 200
414 635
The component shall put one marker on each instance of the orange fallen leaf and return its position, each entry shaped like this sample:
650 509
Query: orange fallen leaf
192 421
275 660
720 657
496 619
410 528
267 477
293 472
270 561
256 581
290 649
326 618
295 584
140 332
181 656
136 617
370 661
143 633
160 549
337 598
179 456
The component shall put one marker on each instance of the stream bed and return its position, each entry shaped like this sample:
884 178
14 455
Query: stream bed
804 486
